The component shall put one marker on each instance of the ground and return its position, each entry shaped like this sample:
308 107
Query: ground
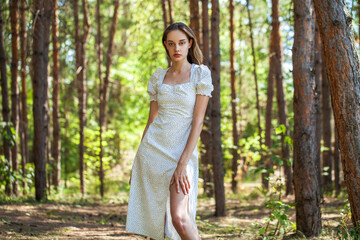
65 220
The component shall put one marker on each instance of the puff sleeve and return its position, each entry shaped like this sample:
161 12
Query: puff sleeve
204 84
152 88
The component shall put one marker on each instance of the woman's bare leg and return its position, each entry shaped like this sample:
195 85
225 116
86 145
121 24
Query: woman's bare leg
180 218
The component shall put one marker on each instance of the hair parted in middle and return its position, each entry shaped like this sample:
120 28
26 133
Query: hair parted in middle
195 55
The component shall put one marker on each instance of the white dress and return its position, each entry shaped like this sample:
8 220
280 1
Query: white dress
159 153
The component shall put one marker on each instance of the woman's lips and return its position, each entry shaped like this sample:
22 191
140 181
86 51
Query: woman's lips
177 55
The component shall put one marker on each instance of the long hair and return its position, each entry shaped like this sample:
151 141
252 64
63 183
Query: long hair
195 55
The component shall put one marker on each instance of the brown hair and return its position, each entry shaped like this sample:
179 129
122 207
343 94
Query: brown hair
195 55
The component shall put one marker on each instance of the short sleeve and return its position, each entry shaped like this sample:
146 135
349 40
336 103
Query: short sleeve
204 84
153 84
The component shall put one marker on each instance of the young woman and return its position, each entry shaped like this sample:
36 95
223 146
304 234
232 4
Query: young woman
164 181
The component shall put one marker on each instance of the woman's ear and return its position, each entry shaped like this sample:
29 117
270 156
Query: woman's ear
190 43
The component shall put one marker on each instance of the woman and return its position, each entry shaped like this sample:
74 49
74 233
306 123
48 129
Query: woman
164 181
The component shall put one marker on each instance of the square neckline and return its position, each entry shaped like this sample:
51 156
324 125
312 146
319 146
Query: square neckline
191 71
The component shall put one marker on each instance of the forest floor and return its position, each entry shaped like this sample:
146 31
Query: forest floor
74 220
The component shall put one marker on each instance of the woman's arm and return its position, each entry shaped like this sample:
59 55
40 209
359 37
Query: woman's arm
180 176
153 113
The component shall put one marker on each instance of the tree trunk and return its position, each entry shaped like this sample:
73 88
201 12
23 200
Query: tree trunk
100 72
56 115
105 91
235 149
166 24
318 76
336 165
42 14
165 19
24 120
5 103
307 192
205 135
195 18
256 89
171 12
80 49
326 132
14 5
342 68
217 158
205 32
273 71
277 61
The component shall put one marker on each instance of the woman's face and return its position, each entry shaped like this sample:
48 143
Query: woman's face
178 45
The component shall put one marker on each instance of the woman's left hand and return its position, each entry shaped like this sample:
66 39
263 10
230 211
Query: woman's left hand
180 178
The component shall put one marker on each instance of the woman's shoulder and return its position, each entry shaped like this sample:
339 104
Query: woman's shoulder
202 69
156 75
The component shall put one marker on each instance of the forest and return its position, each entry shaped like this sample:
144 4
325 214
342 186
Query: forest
279 153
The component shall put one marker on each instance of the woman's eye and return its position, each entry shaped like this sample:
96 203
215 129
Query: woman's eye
182 43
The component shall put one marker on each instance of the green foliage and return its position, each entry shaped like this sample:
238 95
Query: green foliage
344 230
277 224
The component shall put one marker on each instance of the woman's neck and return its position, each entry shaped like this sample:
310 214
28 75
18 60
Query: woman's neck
180 67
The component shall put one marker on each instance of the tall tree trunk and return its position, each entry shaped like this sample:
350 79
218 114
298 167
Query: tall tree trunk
342 68
205 32
166 24
217 158
14 5
100 72
105 91
80 49
318 76
276 54
195 18
326 132
336 165
56 115
235 149
40 58
171 12
205 135
273 71
24 120
5 103
307 192
256 89
164 10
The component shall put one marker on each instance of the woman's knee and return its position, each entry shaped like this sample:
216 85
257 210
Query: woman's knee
179 222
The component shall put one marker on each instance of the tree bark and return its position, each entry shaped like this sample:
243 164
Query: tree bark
336 165
40 58
276 54
14 5
326 132
5 103
270 89
318 76
205 135
342 68
307 192
217 158
171 12
234 178
100 72
105 91
80 49
256 89
166 24
195 18
205 32
56 115
24 112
